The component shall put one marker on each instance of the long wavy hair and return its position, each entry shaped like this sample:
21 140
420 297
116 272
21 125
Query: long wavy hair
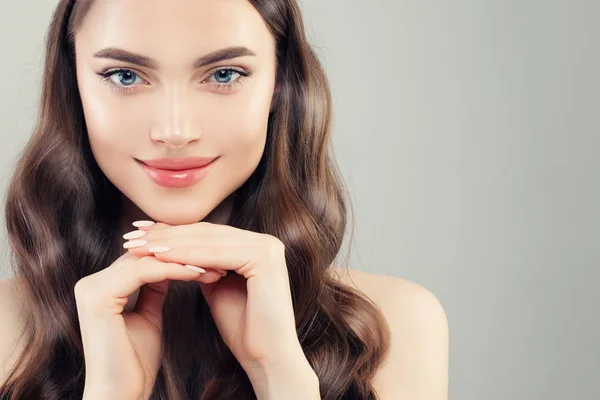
63 220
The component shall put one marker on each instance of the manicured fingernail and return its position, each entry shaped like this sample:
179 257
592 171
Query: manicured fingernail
138 224
159 249
134 234
134 243
193 268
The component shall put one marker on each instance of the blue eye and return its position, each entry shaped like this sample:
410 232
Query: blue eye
222 79
126 77
224 75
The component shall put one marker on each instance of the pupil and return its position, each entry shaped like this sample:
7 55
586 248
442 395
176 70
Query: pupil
127 75
223 74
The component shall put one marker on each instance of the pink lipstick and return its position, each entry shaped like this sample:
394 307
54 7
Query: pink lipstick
177 173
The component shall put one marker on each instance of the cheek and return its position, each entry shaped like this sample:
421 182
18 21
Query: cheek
111 123
239 131
238 123
231 124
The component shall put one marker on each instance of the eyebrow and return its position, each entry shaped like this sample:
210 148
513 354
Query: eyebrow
227 53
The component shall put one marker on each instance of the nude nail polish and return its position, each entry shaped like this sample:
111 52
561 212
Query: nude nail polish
134 234
194 268
134 243
139 224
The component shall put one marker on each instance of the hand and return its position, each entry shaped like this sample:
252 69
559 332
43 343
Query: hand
251 307
122 349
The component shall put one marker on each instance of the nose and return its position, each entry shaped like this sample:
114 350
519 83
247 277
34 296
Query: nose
174 128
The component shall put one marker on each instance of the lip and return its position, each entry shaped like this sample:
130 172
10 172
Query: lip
179 164
182 177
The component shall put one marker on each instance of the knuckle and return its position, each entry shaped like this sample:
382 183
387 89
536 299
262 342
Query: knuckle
143 262
145 259
85 295
78 288
274 246
82 286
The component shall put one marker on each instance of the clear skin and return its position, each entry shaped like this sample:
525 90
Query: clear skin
175 111
179 114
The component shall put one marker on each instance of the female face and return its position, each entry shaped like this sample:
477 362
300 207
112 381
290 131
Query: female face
176 79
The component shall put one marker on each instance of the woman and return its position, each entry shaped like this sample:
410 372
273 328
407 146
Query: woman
205 125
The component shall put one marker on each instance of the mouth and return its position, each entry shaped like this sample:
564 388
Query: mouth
176 178
179 164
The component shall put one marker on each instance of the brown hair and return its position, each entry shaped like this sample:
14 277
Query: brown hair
63 219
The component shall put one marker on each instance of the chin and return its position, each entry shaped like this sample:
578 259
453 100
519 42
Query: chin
174 219
172 215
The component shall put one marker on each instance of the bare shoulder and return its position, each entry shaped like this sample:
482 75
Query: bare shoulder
417 364
11 325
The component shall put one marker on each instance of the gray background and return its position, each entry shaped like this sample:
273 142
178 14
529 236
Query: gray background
468 132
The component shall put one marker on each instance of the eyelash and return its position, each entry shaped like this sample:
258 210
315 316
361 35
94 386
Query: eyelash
106 75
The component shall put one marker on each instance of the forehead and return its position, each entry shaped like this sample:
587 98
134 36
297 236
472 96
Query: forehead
173 29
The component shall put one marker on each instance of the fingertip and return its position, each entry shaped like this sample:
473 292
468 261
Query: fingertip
194 268
143 224
210 276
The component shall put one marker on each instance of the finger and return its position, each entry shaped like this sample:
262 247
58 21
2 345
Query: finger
122 279
144 224
235 284
210 276
149 226
151 300
223 257
139 244
200 234
142 247
139 241
200 229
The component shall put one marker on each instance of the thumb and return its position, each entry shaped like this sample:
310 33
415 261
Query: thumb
151 300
